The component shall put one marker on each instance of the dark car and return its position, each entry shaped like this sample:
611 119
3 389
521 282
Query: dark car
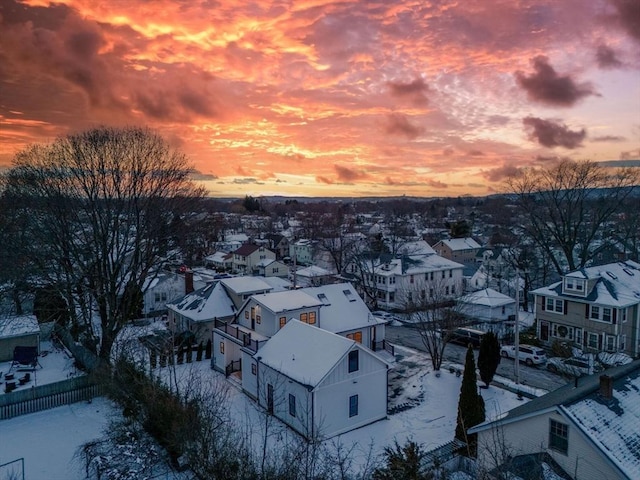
465 336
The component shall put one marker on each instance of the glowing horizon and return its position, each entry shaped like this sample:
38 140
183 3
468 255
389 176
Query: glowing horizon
324 98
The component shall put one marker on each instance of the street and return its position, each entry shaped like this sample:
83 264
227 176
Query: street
537 377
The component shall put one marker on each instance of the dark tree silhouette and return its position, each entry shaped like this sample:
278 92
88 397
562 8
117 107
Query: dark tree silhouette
404 462
470 405
99 203
488 357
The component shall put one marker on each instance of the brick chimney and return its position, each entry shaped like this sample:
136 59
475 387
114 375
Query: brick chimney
188 281
606 387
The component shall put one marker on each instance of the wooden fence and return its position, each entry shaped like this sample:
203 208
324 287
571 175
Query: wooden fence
44 397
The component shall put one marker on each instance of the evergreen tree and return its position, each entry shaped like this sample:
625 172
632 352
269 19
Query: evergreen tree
199 352
208 350
470 405
403 462
488 357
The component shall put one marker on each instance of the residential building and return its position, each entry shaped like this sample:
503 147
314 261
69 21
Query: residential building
313 276
163 288
272 268
248 256
589 428
400 283
594 308
319 383
490 310
302 251
18 331
222 261
461 250
279 244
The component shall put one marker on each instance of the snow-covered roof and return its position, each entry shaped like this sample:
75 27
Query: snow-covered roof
412 265
618 285
219 257
246 284
289 300
313 271
461 243
18 326
205 304
614 426
342 308
304 353
278 284
488 297
418 247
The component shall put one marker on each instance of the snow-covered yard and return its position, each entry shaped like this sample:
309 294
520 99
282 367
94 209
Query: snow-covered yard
427 414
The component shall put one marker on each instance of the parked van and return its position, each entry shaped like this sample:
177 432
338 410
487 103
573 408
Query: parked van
465 336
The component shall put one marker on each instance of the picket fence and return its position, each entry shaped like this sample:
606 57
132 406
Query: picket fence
44 397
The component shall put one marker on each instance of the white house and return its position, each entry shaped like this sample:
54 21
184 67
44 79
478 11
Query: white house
319 383
272 268
589 429
220 260
161 289
302 251
247 257
490 309
312 276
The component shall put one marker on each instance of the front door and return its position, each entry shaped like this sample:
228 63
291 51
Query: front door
544 331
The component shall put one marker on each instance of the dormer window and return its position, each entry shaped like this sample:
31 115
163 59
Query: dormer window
574 285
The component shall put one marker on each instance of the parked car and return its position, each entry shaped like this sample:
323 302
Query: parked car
386 316
465 336
574 366
526 353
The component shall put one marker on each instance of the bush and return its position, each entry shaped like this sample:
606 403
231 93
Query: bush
561 349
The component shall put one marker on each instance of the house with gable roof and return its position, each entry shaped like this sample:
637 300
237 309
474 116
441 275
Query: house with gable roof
595 309
463 250
589 429
197 311
247 257
319 383
490 310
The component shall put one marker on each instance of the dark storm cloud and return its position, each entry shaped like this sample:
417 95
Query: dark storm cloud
346 174
546 86
415 90
501 173
628 15
398 124
606 57
550 134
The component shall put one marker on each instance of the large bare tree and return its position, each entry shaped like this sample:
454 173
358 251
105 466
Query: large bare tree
100 202
568 208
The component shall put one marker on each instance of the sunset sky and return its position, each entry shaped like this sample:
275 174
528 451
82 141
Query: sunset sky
332 98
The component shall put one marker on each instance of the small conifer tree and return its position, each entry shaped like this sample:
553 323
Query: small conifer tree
470 405
488 357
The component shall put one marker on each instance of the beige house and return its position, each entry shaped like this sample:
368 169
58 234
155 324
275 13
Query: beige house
596 309
463 250
590 429
248 257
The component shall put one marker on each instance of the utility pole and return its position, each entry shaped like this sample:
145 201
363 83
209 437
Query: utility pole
517 330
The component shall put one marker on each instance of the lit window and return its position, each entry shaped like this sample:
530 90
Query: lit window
221 347
304 318
254 368
353 361
559 436
283 321
312 318
353 405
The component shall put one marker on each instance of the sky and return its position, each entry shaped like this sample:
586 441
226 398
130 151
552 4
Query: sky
332 98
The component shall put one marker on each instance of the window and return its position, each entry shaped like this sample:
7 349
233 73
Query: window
304 317
555 305
559 436
579 336
312 318
610 344
253 313
258 318
292 405
595 312
221 347
623 312
606 314
357 336
353 361
353 406
443 274
446 290
254 368
157 296
411 279
503 309
246 314
450 273
592 340
453 288
623 342
431 275
283 321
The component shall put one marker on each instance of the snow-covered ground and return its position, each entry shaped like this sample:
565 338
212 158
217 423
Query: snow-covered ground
426 413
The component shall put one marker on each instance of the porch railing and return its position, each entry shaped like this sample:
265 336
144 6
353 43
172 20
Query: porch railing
234 366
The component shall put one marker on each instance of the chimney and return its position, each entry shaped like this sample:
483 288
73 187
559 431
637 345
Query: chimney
188 281
606 387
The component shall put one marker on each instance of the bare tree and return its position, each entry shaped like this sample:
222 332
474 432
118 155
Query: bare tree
568 208
100 202
435 315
